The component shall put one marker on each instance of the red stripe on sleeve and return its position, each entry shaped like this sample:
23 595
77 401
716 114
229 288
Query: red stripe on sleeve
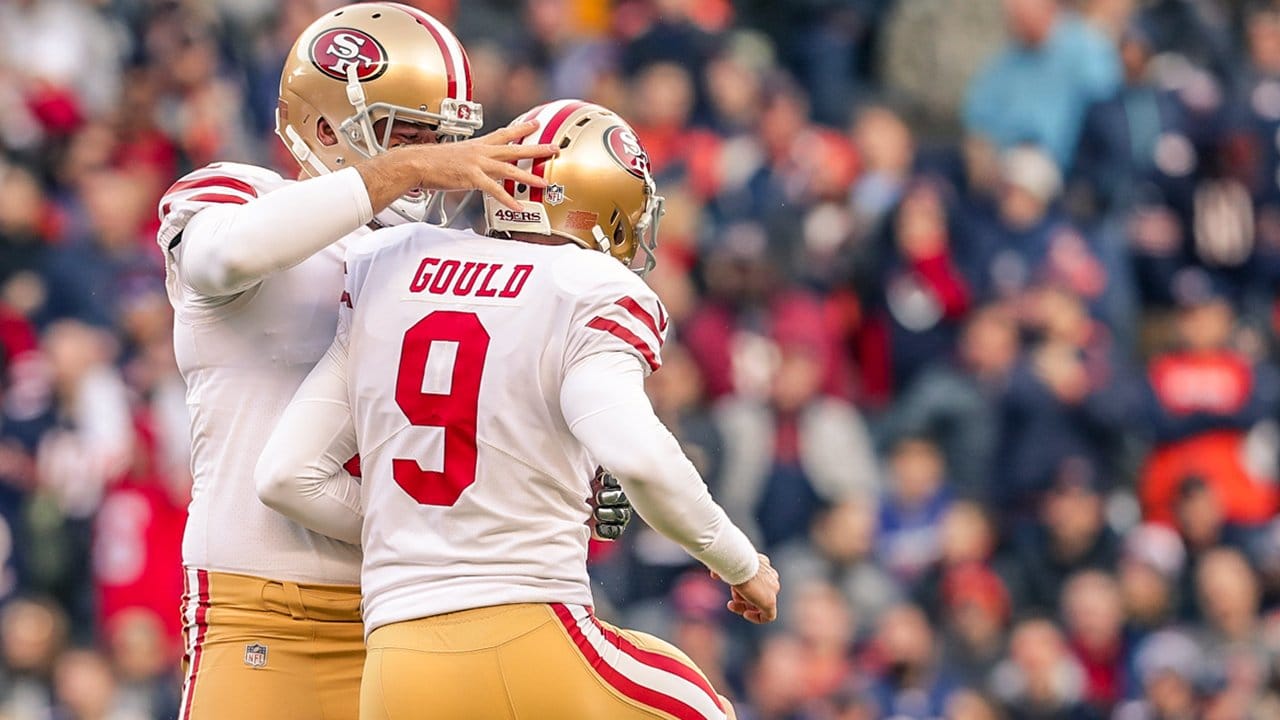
625 335
221 181
208 198
639 313
218 198
623 684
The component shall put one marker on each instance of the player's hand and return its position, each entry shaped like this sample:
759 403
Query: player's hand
756 600
482 163
611 510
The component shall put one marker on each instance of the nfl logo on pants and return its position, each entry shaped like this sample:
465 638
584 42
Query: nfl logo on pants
255 655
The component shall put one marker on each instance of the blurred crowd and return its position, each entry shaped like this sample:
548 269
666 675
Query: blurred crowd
976 320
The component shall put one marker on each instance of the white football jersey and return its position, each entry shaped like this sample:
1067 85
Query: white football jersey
243 358
475 492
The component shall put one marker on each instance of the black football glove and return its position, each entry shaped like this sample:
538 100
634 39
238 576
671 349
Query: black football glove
611 508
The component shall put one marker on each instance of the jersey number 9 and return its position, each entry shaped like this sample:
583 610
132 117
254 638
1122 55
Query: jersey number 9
454 409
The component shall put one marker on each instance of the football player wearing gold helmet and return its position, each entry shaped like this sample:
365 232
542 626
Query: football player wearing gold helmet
376 106
481 378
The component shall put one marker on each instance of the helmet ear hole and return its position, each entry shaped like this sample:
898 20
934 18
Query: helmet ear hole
325 133
619 235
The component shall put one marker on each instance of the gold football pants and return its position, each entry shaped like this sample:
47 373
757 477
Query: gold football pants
263 650
529 662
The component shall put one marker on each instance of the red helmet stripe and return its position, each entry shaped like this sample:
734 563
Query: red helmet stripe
548 133
466 70
455 58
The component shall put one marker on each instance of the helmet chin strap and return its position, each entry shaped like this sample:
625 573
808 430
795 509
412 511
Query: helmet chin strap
302 153
601 240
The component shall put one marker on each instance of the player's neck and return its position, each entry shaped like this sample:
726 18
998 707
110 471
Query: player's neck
537 239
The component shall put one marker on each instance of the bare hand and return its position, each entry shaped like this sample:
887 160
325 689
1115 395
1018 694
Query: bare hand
756 600
482 163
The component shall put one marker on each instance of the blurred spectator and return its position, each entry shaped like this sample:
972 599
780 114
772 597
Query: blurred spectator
790 455
1229 598
90 446
911 684
27 220
775 687
32 634
1065 404
89 275
840 549
1169 665
1030 241
1093 611
933 49
1151 568
1037 89
887 150
670 35
1138 146
1258 103
921 291
551 43
748 314
142 653
1202 400
975 618
821 620
1040 680
70 55
1072 536
86 690
956 402
966 539
913 509
827 44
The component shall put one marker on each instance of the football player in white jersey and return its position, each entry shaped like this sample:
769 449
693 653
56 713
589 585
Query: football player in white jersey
272 623
480 377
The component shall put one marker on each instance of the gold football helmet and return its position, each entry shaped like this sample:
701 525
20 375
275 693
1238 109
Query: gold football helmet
361 64
599 191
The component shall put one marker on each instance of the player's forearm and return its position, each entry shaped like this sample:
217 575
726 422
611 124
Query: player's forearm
326 504
300 471
227 249
604 402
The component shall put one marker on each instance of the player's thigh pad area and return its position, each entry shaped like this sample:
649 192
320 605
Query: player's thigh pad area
258 650
525 662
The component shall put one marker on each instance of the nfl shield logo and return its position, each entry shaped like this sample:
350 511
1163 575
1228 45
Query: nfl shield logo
555 194
255 655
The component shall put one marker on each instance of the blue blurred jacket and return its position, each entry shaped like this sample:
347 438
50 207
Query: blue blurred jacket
1039 95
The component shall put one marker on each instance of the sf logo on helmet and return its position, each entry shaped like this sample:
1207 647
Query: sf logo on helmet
625 148
338 50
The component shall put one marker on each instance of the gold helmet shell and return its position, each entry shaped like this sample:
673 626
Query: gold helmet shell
364 63
600 193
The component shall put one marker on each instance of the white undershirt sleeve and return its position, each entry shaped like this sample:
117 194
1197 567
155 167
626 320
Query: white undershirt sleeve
300 472
604 404
226 249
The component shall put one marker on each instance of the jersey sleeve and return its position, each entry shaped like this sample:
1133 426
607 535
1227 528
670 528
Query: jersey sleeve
619 313
210 186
